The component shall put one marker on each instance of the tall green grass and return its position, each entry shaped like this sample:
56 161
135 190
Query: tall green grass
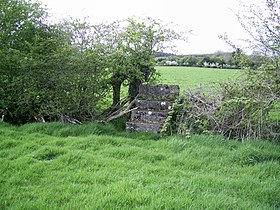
58 166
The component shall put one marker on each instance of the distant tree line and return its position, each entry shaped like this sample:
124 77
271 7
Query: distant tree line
216 60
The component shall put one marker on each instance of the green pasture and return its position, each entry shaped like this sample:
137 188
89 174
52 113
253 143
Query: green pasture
58 166
193 77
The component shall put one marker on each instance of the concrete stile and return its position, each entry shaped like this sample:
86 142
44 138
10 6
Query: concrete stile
153 104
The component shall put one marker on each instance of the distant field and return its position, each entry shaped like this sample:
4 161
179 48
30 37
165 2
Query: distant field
192 77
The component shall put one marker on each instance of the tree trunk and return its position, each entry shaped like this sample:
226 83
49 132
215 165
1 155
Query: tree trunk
134 88
116 93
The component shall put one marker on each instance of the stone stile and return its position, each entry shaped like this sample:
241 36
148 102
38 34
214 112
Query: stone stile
153 104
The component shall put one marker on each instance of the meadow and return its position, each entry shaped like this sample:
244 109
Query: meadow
193 77
97 166
93 166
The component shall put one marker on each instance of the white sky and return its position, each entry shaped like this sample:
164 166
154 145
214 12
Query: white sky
206 18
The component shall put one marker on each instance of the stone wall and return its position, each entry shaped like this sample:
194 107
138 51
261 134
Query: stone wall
153 104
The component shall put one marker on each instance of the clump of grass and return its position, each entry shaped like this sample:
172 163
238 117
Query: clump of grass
92 128
65 130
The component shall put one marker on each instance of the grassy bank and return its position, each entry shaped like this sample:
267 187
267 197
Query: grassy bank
56 166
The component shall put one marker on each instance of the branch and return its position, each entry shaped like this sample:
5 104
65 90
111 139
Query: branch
120 113
66 119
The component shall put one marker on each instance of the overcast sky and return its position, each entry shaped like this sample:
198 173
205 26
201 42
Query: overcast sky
206 18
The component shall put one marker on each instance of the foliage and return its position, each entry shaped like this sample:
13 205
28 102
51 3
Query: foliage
237 110
47 70
86 68
248 105
224 60
262 24
240 111
58 166
133 54
23 39
173 124
213 61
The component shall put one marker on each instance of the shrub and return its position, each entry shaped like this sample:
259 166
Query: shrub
240 111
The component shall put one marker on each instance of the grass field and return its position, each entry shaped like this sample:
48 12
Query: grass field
192 77
56 166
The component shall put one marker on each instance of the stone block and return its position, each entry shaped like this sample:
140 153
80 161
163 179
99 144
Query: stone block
145 127
149 116
153 105
158 92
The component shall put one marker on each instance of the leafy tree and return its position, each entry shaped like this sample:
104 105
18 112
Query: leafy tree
192 61
48 70
219 61
85 66
138 42
26 40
